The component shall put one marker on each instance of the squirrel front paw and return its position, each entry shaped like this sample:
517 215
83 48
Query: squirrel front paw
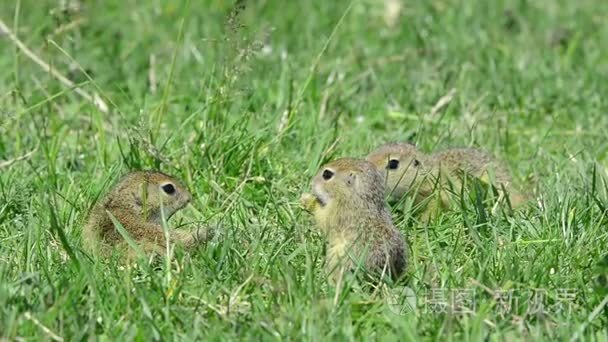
203 234
308 202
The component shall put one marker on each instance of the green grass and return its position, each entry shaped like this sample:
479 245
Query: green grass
246 109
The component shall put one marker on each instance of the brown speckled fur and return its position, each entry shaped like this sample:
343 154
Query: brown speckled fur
350 209
423 174
474 162
135 201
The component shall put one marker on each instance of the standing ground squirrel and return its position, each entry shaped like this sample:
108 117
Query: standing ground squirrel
348 205
135 201
409 170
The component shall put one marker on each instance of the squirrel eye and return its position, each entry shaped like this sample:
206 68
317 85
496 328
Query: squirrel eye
168 188
416 162
327 174
393 164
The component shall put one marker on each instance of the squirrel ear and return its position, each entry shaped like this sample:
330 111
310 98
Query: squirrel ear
140 197
137 200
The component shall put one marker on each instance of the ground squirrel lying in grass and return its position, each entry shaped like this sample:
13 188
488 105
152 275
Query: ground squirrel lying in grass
410 171
135 201
348 205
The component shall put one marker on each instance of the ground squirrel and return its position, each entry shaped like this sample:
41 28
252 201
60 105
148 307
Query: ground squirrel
349 207
409 170
135 201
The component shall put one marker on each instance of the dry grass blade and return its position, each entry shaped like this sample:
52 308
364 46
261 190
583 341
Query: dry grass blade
443 101
95 99
10 162
46 330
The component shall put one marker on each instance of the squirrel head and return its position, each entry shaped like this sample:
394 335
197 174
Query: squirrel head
401 164
146 192
350 182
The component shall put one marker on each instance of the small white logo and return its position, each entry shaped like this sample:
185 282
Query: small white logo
401 300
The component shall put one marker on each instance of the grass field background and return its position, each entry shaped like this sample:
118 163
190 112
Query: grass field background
244 106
